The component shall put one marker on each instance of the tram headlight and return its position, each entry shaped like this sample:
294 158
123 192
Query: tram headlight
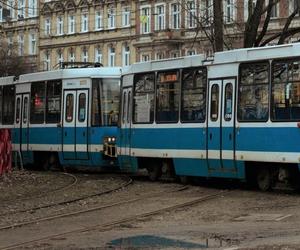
110 139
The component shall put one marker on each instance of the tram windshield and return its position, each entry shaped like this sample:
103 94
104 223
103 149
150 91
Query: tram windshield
105 110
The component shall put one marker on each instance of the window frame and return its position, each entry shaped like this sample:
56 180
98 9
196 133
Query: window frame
267 62
32 99
182 91
134 95
281 60
179 70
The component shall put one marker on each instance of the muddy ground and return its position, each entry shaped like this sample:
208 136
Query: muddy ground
237 218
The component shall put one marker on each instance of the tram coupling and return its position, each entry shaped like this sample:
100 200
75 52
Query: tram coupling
109 146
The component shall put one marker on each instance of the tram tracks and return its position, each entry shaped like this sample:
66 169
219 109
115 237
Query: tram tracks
101 227
70 184
95 208
127 182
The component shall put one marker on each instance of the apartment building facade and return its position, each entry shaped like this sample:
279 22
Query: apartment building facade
19 24
119 33
87 31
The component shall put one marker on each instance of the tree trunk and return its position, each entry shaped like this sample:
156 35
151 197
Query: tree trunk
218 26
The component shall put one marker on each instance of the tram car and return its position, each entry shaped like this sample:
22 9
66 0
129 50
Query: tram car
64 117
235 115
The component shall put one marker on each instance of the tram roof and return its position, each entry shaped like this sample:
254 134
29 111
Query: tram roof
102 72
6 80
259 53
224 57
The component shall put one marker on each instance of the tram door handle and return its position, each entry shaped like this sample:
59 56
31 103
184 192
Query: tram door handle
210 136
83 133
230 137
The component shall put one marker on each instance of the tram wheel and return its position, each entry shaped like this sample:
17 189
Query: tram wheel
51 163
154 173
264 179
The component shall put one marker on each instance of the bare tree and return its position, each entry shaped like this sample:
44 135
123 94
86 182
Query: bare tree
254 32
11 64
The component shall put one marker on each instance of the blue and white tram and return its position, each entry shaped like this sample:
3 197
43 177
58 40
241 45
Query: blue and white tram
233 116
64 116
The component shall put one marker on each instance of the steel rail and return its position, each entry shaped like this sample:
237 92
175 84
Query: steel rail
106 226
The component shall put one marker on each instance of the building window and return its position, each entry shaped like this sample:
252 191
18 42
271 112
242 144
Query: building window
60 26
125 17
229 11
126 56
145 20
159 56
32 44
47 60
21 44
10 44
32 8
71 25
175 54
98 21
111 56
60 57
175 16
191 52
207 12
85 55
160 17
72 56
145 57
11 8
84 22
98 55
47 27
191 15
21 9
274 11
294 5
111 18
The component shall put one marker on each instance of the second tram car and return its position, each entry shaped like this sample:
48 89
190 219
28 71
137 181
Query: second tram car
235 115
63 117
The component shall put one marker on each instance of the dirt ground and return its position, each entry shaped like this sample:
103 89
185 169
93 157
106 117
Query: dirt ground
239 218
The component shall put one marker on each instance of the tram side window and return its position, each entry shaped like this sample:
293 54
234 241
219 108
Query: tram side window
193 105
8 111
105 101
167 102
253 91
53 105
37 106
286 90
110 101
69 108
82 107
96 102
143 99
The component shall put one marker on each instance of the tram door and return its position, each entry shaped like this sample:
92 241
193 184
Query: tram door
75 125
220 126
125 132
21 123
